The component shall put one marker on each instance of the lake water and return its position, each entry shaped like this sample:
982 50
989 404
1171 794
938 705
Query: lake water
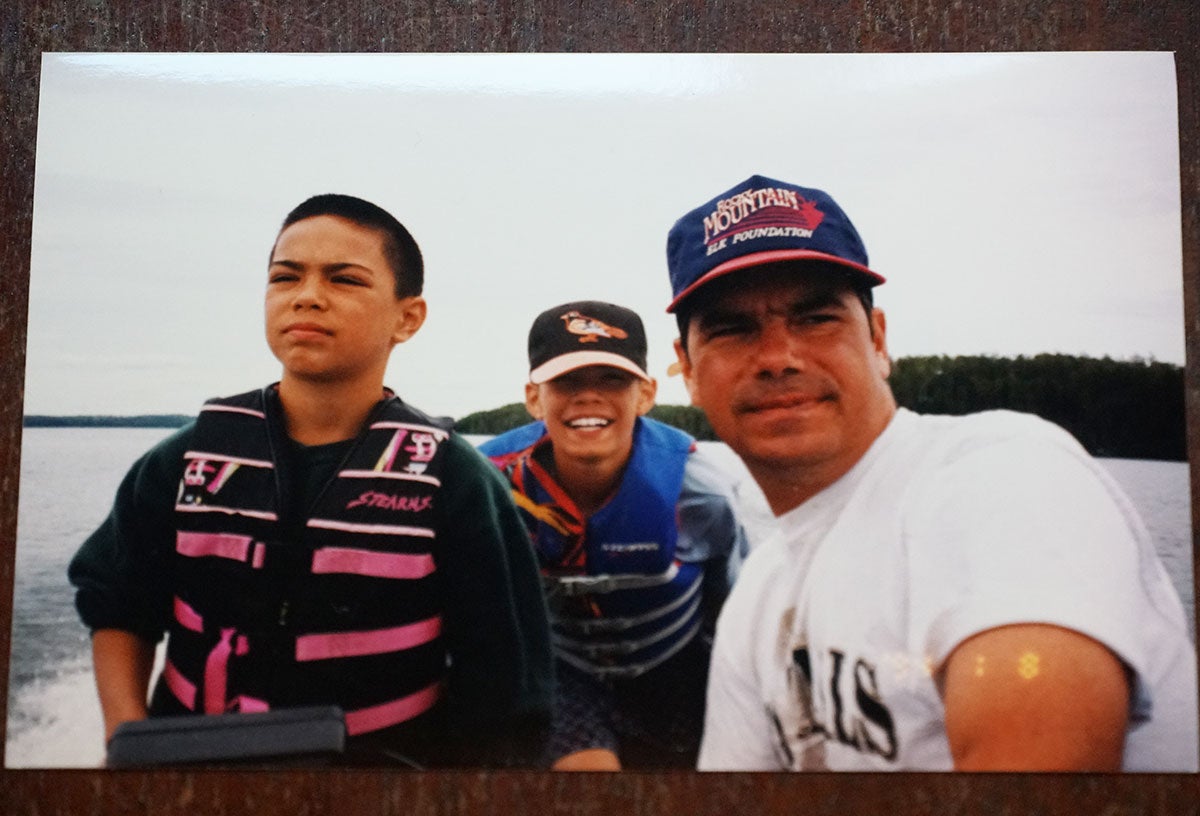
69 476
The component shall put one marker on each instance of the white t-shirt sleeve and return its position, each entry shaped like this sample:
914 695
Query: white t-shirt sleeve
1024 531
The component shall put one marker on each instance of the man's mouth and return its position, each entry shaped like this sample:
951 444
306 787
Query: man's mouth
782 402
585 423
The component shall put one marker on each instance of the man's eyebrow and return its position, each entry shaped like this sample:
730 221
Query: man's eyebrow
719 313
829 299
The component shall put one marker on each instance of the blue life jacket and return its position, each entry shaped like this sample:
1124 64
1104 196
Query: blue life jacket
621 603
342 608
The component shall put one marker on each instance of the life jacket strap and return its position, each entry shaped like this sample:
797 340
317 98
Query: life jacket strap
590 626
628 670
572 586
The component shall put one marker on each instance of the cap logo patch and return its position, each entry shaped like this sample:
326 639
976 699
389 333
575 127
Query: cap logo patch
769 212
589 329
756 222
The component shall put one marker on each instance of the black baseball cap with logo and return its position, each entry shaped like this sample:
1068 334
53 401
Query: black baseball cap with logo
586 333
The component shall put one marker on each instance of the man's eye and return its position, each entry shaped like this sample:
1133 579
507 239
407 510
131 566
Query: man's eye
726 329
349 279
281 277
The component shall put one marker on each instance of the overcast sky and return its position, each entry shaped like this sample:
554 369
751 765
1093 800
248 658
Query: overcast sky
1017 203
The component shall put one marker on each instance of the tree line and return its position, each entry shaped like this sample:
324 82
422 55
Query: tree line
1131 409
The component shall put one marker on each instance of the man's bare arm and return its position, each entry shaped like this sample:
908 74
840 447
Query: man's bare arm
123 662
1035 697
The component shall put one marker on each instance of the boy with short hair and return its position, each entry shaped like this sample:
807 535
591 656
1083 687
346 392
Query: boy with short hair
319 541
637 539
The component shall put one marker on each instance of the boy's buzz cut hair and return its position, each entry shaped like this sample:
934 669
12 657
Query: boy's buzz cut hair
399 247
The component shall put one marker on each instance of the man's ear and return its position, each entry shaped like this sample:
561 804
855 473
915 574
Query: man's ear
533 401
879 326
410 316
647 391
684 364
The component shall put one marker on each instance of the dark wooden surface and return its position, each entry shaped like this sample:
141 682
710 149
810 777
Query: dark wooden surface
29 28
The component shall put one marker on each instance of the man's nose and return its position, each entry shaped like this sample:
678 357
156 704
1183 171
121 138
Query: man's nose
779 350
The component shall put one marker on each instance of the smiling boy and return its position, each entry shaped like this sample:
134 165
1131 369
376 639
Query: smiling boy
318 541
635 532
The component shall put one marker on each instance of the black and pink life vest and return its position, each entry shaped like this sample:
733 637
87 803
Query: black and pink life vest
346 610
621 602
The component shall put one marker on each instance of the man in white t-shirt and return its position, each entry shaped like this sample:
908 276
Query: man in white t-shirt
966 593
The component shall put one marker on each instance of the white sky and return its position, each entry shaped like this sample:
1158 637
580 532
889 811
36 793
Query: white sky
1017 203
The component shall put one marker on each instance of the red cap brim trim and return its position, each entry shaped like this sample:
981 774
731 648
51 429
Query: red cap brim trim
773 256
579 359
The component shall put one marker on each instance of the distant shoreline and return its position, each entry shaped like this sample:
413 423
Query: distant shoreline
87 421
1128 409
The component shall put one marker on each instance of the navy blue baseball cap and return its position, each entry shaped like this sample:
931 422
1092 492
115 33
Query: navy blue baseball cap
761 221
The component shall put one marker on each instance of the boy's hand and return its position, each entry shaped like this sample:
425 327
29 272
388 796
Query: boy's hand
122 662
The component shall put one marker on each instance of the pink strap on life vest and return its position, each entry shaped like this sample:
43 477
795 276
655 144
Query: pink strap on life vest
373 641
372 563
251 705
392 712
216 670
371 529
233 409
183 689
222 545
187 617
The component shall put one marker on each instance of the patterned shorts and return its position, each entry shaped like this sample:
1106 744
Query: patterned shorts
652 721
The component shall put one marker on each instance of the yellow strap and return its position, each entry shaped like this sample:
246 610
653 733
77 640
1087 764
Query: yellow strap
542 512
